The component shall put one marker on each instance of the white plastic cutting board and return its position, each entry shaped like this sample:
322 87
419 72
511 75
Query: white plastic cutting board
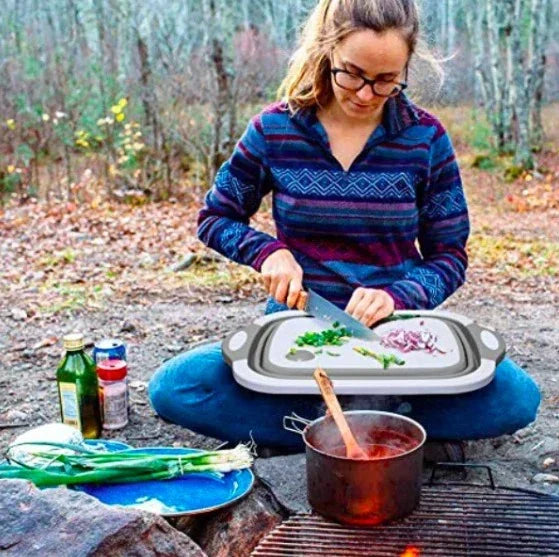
283 340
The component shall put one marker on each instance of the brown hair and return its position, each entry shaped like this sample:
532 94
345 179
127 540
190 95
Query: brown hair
307 82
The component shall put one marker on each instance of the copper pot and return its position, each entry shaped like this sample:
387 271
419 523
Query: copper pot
363 492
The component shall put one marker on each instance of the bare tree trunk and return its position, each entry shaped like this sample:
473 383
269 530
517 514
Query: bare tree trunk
474 24
444 25
221 99
219 105
512 13
451 35
80 30
523 152
145 80
539 62
100 19
497 76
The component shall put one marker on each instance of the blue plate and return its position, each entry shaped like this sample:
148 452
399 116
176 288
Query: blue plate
108 444
188 495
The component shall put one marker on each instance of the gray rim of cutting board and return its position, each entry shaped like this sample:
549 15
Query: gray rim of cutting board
480 349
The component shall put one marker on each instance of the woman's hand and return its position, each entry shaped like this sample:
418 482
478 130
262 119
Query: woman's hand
370 305
283 277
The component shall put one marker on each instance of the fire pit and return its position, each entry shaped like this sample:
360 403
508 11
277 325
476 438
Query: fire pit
451 520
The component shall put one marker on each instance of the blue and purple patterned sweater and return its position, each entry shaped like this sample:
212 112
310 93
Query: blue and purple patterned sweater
396 220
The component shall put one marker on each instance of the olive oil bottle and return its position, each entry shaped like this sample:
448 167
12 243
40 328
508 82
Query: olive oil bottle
78 388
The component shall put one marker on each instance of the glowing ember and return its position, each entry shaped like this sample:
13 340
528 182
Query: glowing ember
410 551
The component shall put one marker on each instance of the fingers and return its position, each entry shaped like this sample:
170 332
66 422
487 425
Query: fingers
367 308
282 276
360 302
274 282
370 305
356 297
302 300
267 279
282 289
295 287
373 312
285 288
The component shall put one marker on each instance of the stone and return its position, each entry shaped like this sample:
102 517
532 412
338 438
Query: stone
140 386
236 530
128 326
185 263
545 478
147 260
66 523
286 477
19 314
14 415
548 462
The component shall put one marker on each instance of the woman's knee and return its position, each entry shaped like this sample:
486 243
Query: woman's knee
519 398
186 379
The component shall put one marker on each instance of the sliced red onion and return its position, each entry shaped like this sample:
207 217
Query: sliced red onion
408 341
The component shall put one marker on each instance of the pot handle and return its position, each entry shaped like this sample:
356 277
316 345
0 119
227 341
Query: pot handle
291 423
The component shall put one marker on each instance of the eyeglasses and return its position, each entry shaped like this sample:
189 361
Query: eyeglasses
354 82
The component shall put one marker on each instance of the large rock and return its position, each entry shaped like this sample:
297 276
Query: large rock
286 476
235 531
68 523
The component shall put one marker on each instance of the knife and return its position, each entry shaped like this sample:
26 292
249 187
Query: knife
320 307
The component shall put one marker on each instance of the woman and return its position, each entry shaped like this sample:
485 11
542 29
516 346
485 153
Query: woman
359 177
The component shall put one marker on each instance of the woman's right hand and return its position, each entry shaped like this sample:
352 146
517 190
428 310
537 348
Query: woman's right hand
283 277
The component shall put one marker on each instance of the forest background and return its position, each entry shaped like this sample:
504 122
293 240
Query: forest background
116 114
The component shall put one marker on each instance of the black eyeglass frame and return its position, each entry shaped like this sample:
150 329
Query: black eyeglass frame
371 82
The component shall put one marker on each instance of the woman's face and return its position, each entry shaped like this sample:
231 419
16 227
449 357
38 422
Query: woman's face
374 56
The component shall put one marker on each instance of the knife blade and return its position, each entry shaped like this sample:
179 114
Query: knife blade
320 307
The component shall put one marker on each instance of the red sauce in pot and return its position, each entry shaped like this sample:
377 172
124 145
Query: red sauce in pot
381 443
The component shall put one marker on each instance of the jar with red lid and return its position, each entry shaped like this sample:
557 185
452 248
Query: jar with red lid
113 393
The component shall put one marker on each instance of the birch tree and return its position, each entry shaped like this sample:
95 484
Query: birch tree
515 34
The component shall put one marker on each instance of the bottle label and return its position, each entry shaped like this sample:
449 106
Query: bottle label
114 405
70 406
100 356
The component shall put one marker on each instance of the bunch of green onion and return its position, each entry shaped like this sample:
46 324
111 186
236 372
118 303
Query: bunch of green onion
68 464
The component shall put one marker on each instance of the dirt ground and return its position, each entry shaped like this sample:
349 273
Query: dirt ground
157 327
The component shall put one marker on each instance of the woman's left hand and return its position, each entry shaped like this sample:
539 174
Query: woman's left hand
370 305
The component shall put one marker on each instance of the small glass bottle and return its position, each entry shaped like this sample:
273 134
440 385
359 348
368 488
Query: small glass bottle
78 388
113 393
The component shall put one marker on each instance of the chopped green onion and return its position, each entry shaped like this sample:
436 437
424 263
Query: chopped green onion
327 337
395 317
384 359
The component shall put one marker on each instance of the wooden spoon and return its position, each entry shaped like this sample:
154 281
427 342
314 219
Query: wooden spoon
353 450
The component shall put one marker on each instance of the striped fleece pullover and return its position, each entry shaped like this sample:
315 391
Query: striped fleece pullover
396 220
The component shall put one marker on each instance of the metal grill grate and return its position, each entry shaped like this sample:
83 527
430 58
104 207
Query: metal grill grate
450 521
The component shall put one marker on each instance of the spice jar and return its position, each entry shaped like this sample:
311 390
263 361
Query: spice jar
113 393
